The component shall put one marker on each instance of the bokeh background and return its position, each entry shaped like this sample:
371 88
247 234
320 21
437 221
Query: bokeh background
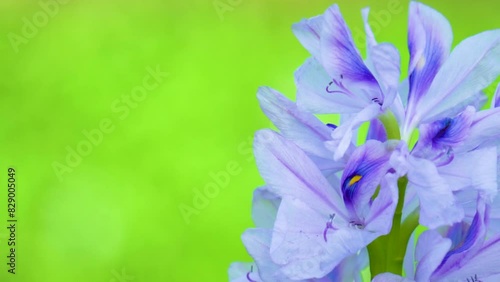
129 210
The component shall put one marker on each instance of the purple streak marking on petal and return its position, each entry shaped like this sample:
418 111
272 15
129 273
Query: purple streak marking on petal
469 240
311 187
331 125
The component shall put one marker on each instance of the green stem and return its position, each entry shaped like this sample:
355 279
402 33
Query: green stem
391 125
387 252
394 251
407 227
376 253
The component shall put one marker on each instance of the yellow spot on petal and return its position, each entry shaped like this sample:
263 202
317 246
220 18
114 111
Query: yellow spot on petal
421 63
354 179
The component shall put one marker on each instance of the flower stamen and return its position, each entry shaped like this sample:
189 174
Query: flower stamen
473 279
248 275
331 125
377 100
340 85
329 225
354 180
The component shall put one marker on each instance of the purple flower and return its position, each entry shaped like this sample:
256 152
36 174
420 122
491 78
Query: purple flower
462 254
440 84
258 242
329 206
320 223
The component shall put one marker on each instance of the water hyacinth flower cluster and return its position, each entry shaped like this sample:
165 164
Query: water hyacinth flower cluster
407 211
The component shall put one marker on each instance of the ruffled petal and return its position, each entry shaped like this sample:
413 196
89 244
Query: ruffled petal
386 63
437 204
383 60
474 170
484 131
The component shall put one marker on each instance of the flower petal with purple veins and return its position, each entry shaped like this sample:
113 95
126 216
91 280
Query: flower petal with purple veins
484 131
429 43
376 131
473 65
257 241
437 203
438 139
462 255
386 65
430 251
329 205
362 175
475 170
383 60
484 263
299 244
288 172
340 57
468 245
303 128
316 92
473 256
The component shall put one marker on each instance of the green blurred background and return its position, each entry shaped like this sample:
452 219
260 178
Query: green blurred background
116 214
